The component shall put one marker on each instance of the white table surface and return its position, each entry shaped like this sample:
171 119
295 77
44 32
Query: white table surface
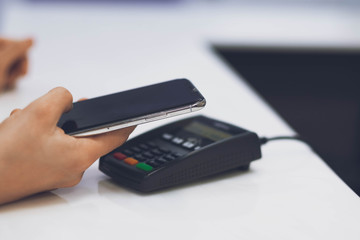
98 49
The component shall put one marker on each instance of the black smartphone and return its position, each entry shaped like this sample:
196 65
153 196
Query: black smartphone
132 107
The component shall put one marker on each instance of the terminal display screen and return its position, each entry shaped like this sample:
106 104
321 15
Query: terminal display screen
206 131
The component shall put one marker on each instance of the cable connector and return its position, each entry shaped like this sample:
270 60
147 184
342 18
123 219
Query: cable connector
264 140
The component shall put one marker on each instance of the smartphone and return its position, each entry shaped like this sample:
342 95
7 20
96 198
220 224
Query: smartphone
131 107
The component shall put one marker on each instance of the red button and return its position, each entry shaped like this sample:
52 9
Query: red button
119 155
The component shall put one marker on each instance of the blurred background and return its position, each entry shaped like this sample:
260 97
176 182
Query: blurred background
301 56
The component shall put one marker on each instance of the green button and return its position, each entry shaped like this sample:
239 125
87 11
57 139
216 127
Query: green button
144 166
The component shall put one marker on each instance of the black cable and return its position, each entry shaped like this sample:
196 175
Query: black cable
264 140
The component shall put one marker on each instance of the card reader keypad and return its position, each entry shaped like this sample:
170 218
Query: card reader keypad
148 156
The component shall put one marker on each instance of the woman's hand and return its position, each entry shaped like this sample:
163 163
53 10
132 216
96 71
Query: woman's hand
13 61
36 155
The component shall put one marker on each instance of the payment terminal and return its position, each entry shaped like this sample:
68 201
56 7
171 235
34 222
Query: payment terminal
181 152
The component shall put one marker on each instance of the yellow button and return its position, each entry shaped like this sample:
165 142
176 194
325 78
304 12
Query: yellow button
131 161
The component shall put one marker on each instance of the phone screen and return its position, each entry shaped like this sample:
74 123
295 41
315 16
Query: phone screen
106 110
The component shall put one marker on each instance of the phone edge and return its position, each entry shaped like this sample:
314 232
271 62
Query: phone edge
144 119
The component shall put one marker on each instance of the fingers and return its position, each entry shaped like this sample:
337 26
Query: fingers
99 145
15 71
4 42
2 80
13 61
52 105
12 50
96 146
24 65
